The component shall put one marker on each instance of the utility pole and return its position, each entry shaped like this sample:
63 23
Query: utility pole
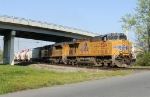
18 44
41 44
127 33
38 42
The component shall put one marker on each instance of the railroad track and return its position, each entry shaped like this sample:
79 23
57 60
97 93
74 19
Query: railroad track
82 66
112 68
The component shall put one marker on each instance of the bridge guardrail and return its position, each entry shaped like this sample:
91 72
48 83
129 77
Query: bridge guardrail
26 22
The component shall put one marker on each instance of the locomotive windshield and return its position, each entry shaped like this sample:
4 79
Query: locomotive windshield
123 37
116 36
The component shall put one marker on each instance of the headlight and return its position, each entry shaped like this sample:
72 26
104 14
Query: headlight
121 53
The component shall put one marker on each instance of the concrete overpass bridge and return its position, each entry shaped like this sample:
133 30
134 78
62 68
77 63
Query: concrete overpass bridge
11 27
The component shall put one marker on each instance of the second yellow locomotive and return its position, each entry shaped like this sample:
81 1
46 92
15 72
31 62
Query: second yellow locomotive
112 49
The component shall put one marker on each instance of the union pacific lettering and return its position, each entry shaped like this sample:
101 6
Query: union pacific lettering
122 47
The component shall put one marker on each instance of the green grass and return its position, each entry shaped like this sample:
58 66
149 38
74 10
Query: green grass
17 78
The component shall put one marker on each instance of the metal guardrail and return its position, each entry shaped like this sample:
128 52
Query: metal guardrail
33 23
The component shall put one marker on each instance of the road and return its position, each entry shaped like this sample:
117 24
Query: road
135 85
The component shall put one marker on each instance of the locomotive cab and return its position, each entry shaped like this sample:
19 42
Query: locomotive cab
121 49
113 49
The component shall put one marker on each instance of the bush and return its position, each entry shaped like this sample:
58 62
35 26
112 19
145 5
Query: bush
140 55
143 60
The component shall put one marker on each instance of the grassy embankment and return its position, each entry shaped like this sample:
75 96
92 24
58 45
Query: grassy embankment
17 78
140 67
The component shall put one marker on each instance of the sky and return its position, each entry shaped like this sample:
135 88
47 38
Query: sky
97 16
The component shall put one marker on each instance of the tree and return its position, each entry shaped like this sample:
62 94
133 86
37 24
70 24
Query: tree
140 23
128 21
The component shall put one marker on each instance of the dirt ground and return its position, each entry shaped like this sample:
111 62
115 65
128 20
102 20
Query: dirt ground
63 68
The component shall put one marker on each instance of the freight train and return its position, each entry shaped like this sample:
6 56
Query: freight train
111 49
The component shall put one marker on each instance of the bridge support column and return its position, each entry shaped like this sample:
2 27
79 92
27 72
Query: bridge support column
8 51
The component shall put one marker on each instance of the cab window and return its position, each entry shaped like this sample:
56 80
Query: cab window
123 37
113 37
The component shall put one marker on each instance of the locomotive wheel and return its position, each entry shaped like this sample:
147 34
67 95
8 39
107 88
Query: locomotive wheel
53 62
105 65
97 62
128 61
109 65
64 59
75 62
72 63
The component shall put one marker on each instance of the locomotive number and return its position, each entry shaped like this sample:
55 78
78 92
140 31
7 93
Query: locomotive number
103 45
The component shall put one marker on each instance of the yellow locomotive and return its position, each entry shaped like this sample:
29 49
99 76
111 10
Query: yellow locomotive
112 49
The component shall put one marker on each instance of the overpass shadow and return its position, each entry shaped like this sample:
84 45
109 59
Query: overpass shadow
24 63
4 64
